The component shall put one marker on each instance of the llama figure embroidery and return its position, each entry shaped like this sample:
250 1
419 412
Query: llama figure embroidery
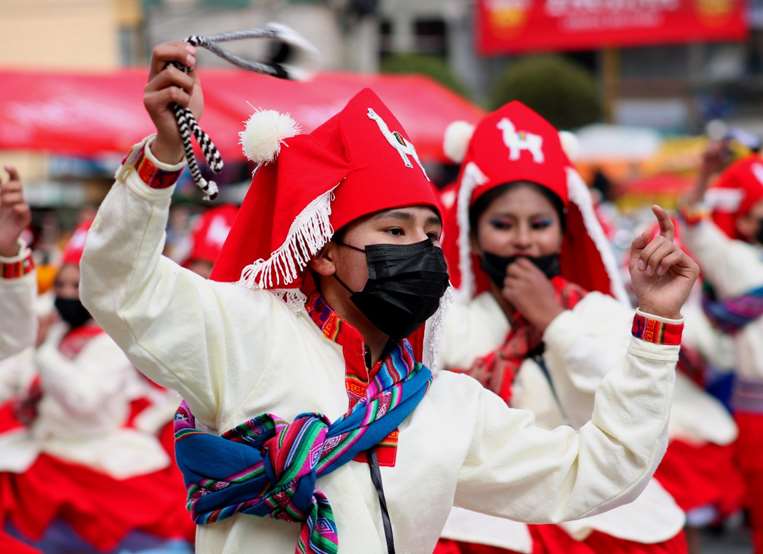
397 141
516 142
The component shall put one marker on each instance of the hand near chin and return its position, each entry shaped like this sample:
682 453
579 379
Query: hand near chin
531 293
662 274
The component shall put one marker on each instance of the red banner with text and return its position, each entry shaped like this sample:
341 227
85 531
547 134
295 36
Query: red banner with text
508 26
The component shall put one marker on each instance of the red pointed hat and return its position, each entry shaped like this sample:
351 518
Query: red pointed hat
210 232
76 246
735 192
512 144
361 161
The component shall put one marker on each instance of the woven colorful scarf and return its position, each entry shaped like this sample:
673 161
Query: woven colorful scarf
498 369
733 314
268 467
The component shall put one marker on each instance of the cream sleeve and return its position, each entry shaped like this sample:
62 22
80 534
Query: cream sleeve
518 470
18 324
182 331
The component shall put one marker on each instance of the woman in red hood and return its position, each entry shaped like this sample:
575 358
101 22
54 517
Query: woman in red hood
541 316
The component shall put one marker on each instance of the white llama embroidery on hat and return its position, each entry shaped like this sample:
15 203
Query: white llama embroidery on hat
397 141
516 142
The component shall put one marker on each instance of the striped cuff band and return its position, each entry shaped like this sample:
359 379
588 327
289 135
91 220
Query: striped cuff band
15 268
656 331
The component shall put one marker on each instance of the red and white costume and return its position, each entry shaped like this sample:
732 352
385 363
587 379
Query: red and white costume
582 345
733 267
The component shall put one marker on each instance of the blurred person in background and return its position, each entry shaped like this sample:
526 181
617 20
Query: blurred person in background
75 472
723 228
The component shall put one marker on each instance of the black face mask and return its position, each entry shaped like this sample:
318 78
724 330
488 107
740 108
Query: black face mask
72 311
759 234
405 284
495 266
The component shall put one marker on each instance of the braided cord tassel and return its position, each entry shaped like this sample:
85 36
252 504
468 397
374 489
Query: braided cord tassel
184 117
187 124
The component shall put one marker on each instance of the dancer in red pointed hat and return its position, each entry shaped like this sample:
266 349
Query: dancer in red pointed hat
542 318
723 228
72 473
311 421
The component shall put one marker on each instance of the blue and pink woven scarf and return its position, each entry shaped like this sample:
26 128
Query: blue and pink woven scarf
732 314
268 467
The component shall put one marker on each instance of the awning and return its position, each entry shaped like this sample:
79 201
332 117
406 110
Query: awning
88 114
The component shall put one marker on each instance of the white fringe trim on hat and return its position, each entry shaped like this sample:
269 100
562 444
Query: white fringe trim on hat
471 179
581 196
309 232
264 133
456 140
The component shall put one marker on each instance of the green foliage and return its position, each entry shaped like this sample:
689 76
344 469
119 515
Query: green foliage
421 64
561 91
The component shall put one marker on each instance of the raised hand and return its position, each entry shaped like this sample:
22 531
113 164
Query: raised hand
662 275
169 85
530 291
15 215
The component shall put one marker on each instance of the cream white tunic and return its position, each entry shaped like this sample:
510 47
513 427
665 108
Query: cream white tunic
581 346
18 322
733 267
234 353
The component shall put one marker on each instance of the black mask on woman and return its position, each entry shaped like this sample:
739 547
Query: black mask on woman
72 311
759 234
495 266
404 287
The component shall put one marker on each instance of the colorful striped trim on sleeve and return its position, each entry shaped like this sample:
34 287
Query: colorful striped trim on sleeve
16 269
152 176
656 331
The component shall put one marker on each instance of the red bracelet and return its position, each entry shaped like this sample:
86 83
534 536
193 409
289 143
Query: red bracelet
151 175
656 331
14 270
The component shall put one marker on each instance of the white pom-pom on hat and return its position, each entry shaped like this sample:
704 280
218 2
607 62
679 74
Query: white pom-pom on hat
264 133
456 140
570 144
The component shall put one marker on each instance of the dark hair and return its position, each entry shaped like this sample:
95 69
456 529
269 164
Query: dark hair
484 201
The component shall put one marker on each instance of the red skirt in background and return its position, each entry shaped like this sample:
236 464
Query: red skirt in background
749 455
697 476
552 539
101 510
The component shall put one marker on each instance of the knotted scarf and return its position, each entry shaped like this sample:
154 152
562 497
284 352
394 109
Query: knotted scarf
732 314
498 369
268 467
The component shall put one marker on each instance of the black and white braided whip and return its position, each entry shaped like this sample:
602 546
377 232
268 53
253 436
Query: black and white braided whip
187 124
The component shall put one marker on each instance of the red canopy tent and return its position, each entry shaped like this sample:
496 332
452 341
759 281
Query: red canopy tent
98 113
